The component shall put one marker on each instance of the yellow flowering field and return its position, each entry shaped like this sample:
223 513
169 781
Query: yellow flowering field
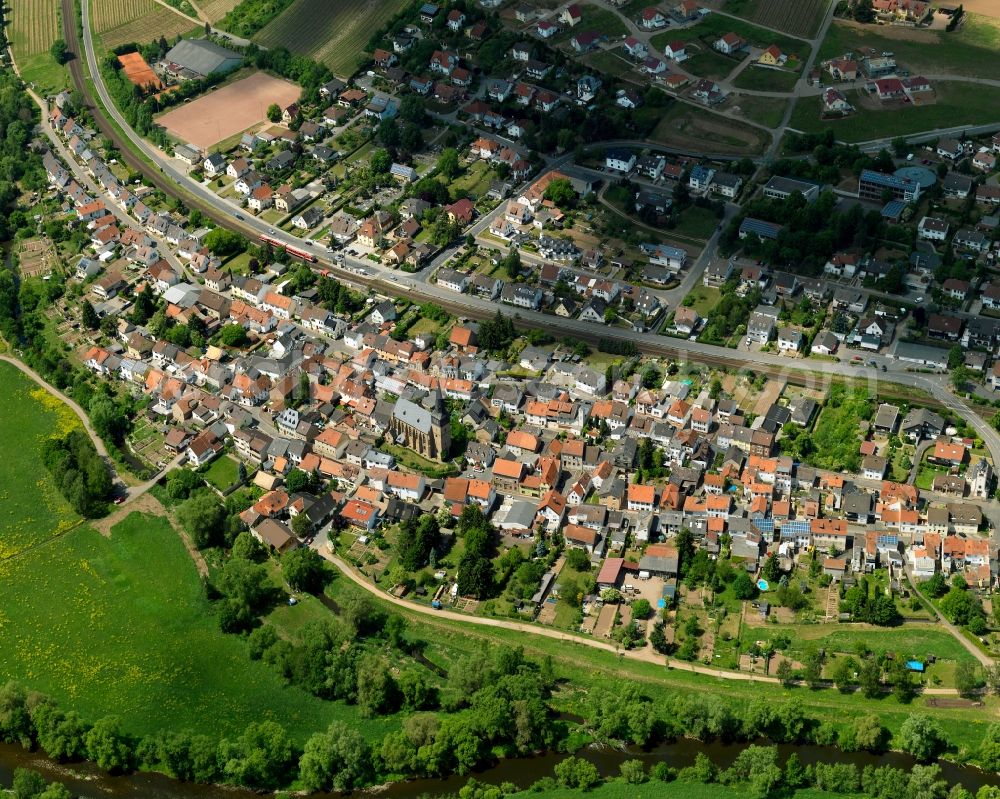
31 508
121 625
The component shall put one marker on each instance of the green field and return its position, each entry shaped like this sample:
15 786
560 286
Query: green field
766 111
957 104
696 223
223 472
34 26
763 79
120 625
970 51
334 33
31 508
707 63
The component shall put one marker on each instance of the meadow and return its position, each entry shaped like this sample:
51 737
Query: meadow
118 22
334 33
970 51
32 510
34 26
120 625
957 104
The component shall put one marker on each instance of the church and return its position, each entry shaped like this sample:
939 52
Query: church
421 423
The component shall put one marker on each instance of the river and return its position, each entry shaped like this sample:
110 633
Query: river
88 781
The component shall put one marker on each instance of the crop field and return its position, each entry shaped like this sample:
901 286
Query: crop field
228 110
120 625
971 51
122 21
217 9
334 33
34 25
32 510
798 17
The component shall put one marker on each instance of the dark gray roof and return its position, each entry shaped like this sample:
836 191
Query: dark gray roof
203 57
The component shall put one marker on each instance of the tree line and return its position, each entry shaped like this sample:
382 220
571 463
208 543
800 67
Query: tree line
79 472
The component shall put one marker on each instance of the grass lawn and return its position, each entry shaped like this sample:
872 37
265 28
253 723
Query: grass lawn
476 180
120 625
705 298
239 264
43 73
957 104
710 64
970 51
911 640
610 62
763 79
767 111
696 223
31 508
597 19
223 472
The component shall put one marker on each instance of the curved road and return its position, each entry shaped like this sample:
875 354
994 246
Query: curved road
646 654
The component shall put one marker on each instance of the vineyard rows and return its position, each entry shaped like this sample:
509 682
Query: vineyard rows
334 33
34 26
122 21
797 17
217 9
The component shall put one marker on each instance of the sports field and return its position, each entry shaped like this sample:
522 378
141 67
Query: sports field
34 26
32 510
228 110
334 33
141 21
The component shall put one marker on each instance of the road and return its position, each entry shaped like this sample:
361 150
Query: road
644 655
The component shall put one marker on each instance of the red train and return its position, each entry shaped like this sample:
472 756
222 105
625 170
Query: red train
303 254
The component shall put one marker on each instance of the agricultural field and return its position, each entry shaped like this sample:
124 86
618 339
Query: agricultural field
217 9
118 22
32 511
971 51
228 110
334 33
798 17
33 27
957 104
685 126
101 631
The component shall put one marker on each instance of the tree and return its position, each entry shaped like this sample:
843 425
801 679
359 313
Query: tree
511 264
304 569
561 192
260 758
633 772
380 162
574 772
641 609
59 51
244 582
989 749
108 418
55 790
248 548
956 357
870 677
771 571
338 759
28 784
936 586
107 745
203 516
89 316
843 673
223 242
922 737
233 335
784 672
869 734
301 525
377 692
812 668
15 722
743 587
274 112
448 163
967 680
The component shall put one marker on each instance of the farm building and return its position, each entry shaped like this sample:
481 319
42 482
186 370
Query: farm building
198 58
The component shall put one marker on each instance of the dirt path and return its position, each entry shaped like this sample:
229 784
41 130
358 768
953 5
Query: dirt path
646 655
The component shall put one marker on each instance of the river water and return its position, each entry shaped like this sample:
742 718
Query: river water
88 781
